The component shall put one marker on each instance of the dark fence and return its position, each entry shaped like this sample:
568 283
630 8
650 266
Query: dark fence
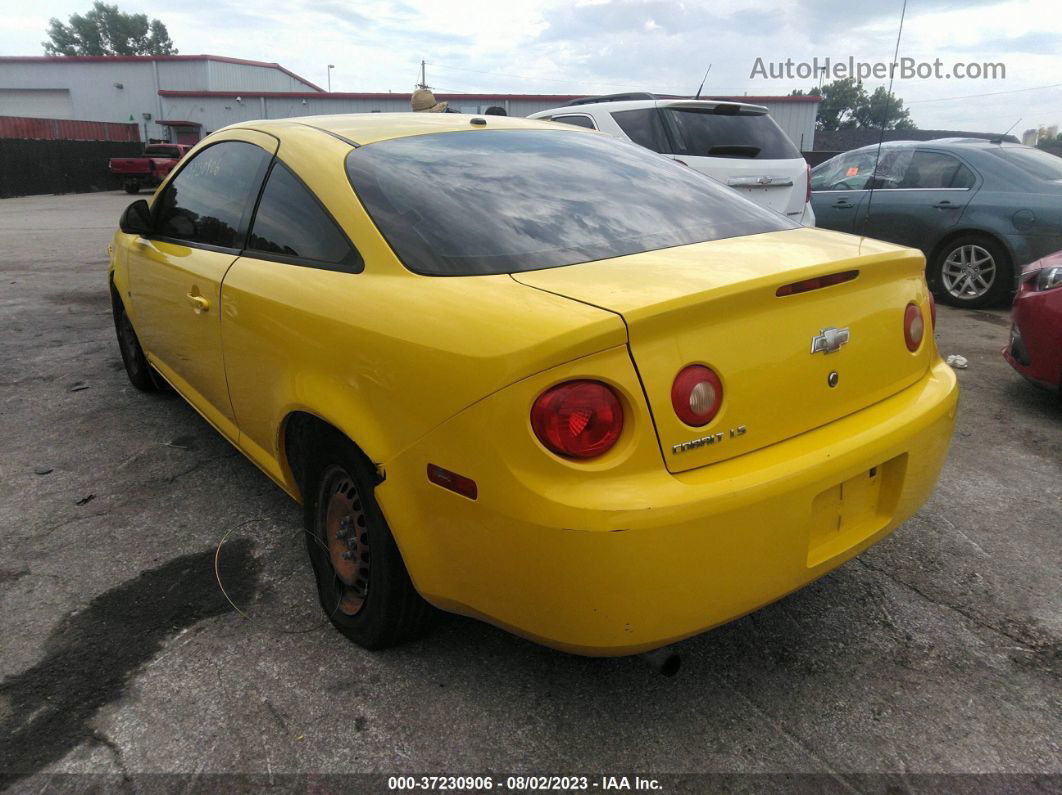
816 157
32 167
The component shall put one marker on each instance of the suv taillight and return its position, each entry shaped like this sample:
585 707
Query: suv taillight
807 177
578 419
696 395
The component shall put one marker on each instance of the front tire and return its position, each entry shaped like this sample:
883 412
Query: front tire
972 271
362 582
136 364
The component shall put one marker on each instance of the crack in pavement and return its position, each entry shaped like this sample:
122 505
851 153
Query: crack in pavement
1031 644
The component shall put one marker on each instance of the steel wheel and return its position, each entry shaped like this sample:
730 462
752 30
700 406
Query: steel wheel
344 531
968 272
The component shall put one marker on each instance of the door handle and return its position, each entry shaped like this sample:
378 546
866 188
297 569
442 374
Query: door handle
843 204
198 302
946 205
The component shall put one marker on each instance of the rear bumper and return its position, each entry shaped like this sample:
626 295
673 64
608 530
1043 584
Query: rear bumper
666 556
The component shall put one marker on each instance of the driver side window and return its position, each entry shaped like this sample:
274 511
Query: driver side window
209 201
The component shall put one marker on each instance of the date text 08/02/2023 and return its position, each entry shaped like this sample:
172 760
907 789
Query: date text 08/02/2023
523 783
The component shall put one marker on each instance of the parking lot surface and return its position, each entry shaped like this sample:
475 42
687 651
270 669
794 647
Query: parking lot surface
936 651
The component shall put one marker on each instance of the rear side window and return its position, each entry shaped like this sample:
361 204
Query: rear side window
936 170
1036 162
503 201
645 127
209 202
708 133
578 121
292 225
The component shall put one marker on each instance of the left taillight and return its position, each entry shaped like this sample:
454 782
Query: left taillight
807 180
578 419
914 327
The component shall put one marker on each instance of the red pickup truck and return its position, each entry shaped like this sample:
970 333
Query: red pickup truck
150 169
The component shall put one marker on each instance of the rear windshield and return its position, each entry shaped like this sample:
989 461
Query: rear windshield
1037 162
706 133
163 151
494 201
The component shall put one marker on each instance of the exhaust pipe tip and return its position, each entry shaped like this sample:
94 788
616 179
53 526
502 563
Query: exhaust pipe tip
665 662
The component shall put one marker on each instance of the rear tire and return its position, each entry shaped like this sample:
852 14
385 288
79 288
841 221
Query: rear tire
131 186
136 363
362 582
972 271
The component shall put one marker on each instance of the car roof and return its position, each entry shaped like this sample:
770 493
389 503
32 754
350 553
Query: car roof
588 108
366 128
959 144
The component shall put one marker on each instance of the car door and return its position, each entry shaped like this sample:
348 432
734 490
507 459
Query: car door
297 263
837 193
200 220
919 199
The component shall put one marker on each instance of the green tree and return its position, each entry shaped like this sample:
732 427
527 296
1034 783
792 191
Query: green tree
107 31
845 104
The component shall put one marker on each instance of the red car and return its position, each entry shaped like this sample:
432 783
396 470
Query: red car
1035 348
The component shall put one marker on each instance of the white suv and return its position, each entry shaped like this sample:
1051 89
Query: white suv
736 143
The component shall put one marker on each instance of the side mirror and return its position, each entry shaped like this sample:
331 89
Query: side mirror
136 220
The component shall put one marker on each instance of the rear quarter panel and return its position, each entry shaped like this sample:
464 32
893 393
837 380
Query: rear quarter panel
383 355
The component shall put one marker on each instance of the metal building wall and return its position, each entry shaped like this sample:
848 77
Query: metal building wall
797 119
225 76
184 75
99 90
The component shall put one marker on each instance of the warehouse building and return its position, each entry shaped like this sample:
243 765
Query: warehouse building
182 98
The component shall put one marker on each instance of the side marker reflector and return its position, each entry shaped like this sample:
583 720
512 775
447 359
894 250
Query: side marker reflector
466 487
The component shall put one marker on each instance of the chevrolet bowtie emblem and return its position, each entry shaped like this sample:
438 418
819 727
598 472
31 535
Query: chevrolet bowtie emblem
829 340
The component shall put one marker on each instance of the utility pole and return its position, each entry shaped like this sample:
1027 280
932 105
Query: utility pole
423 81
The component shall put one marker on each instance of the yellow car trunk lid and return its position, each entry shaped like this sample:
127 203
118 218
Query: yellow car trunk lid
717 304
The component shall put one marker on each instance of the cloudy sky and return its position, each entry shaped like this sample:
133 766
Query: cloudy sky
599 46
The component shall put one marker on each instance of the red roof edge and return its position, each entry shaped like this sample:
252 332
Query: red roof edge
556 98
127 58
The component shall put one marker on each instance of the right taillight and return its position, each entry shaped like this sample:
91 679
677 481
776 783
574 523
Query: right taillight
914 327
578 419
807 177
696 395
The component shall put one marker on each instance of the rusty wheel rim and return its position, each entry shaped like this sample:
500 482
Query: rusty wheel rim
346 537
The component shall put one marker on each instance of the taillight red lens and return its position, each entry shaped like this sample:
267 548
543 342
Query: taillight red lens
807 190
696 395
914 327
578 419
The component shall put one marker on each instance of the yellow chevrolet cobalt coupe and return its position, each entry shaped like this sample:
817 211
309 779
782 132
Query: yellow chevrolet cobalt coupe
524 372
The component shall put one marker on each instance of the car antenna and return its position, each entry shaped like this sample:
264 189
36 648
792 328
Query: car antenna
884 118
999 138
701 87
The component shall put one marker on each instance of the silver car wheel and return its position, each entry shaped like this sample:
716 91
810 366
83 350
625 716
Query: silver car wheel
969 272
